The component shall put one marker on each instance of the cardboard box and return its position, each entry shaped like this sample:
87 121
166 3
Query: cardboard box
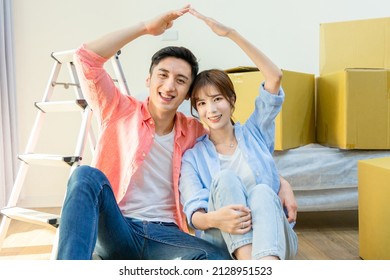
295 124
353 109
352 44
374 210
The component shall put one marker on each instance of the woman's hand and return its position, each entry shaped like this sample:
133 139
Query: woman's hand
217 27
234 219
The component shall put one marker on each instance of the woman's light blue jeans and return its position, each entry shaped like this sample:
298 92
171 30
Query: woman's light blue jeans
91 216
271 233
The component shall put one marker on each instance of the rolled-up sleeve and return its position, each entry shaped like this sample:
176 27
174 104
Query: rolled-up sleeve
267 107
97 85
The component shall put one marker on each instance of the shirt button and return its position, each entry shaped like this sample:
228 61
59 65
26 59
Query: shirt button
143 154
151 122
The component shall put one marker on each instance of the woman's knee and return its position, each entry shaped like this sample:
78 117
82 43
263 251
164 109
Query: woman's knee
261 196
265 191
226 179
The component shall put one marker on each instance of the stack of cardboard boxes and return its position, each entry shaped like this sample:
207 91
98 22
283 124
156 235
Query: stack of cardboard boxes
347 107
353 112
353 87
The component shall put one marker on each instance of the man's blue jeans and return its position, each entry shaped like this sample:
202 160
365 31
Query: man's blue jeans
91 216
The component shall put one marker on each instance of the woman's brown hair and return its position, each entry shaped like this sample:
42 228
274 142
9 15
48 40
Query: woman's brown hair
217 78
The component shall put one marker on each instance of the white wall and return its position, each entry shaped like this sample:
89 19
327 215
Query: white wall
287 31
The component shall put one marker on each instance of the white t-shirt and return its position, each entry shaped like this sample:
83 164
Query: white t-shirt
237 163
151 191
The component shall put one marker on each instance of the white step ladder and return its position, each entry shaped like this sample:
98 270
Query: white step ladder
11 211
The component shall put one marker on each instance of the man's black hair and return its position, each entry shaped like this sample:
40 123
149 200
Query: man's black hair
177 52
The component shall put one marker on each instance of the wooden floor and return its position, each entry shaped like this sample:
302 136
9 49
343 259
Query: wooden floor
328 236
322 236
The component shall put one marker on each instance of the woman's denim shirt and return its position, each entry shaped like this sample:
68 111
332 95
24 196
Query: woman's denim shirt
255 138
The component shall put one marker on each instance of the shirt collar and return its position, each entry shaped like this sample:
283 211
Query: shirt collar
180 123
145 110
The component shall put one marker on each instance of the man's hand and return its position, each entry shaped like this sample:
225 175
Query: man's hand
109 44
158 25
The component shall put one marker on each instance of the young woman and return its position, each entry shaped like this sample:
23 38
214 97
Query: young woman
229 183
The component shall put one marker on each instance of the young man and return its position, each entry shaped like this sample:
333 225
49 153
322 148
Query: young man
128 203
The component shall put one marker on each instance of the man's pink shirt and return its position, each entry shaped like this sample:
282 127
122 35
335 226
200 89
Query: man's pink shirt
127 129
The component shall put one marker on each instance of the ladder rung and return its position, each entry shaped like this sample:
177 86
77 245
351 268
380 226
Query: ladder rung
66 85
64 56
31 216
62 106
53 160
